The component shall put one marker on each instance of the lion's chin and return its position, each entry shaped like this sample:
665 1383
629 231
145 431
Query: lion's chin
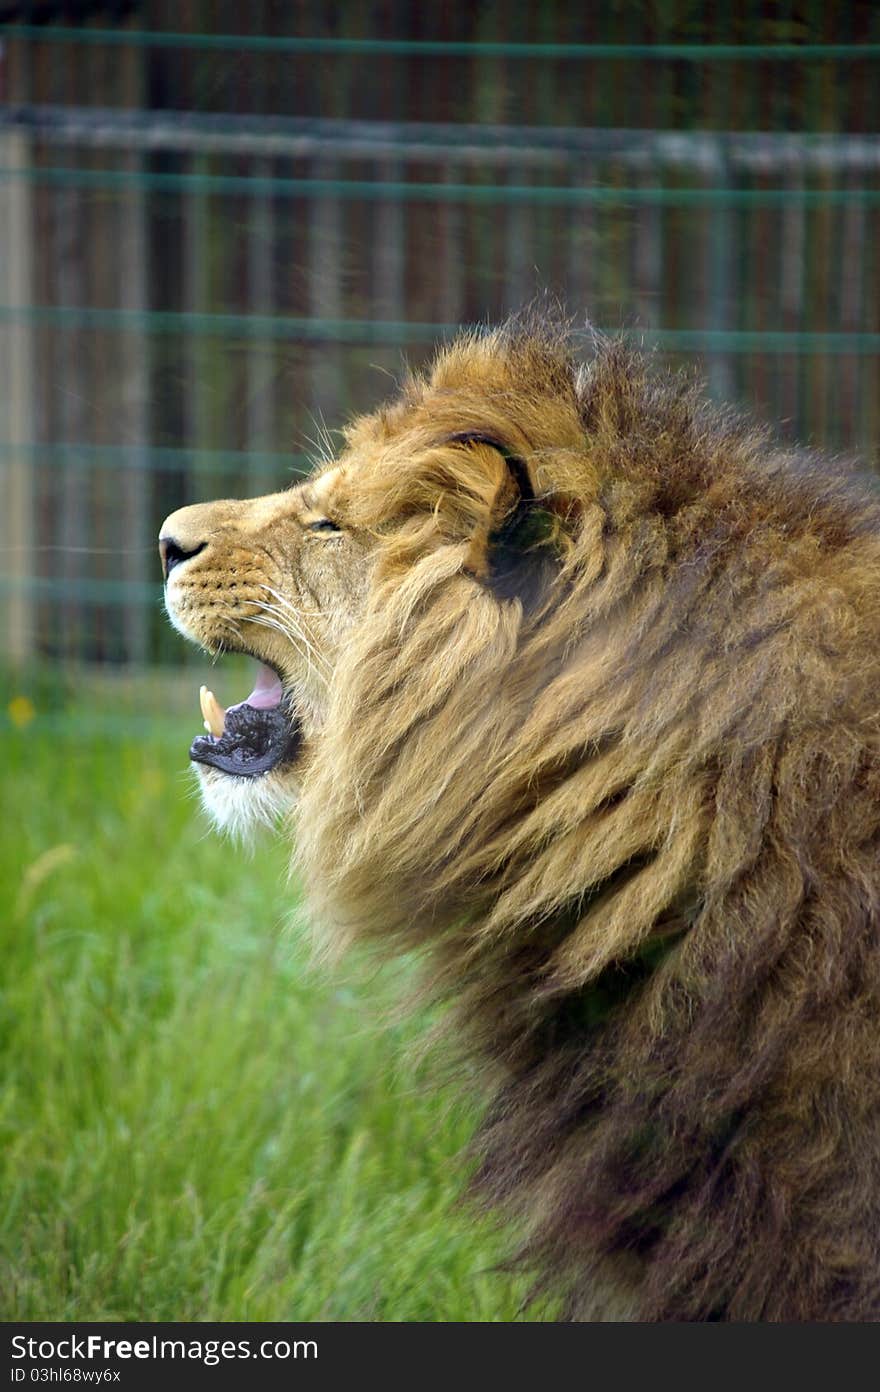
243 807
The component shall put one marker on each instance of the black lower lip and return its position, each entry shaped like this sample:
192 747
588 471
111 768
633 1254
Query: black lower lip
253 743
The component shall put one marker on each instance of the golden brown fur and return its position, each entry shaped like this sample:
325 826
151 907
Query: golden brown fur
610 756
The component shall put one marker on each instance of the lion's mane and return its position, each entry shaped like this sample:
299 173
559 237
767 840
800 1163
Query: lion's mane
625 789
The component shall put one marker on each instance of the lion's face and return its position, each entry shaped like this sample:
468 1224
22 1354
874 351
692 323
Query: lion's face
281 578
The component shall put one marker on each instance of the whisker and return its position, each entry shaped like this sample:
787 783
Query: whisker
289 621
295 611
277 627
322 441
288 615
275 620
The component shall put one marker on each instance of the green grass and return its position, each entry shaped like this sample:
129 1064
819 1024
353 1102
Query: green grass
195 1123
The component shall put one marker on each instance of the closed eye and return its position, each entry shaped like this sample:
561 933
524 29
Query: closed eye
323 524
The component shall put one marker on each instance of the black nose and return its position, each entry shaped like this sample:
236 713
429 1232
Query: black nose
172 553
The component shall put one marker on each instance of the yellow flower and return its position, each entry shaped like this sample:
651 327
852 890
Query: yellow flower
21 711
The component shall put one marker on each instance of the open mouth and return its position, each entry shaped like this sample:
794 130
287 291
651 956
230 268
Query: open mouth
252 737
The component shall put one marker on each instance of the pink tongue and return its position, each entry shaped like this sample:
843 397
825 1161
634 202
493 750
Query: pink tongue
267 690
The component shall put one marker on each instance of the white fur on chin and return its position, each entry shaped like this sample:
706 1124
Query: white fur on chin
241 807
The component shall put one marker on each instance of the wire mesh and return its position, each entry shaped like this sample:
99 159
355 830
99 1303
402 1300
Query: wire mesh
213 242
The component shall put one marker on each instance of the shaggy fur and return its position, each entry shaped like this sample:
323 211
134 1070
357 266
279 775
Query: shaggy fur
602 739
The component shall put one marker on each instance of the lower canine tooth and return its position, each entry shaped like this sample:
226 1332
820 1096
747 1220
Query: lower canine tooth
213 713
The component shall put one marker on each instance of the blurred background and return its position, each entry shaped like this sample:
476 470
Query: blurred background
221 227
220 222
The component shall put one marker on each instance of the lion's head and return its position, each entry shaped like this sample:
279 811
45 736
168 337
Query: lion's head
572 677
462 497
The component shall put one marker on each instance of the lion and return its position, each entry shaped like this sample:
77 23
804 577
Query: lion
570 681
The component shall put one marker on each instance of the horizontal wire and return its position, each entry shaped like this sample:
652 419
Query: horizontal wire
439 48
399 191
86 590
159 458
362 331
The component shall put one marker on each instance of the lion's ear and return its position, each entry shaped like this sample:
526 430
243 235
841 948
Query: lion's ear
506 496
519 474
520 533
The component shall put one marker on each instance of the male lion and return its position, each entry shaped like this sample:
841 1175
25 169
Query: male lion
573 681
